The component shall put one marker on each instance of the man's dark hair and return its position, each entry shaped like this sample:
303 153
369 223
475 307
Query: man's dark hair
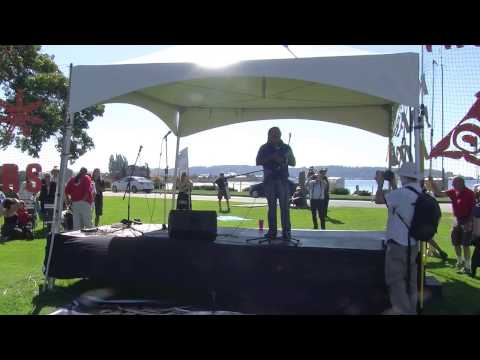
461 178
83 171
8 202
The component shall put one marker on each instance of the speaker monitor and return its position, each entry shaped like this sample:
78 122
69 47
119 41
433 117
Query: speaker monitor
192 225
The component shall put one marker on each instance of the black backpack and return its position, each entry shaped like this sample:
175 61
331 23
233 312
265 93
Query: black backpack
426 217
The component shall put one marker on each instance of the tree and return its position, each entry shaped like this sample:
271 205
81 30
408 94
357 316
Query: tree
118 165
24 67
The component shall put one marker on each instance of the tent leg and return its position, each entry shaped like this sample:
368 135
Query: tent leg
57 214
175 171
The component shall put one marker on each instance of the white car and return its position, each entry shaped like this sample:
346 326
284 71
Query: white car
137 184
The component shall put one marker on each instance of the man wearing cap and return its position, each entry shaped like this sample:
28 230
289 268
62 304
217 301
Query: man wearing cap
400 264
323 176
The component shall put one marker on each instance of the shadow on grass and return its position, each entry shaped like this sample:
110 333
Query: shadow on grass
459 298
334 221
40 233
61 296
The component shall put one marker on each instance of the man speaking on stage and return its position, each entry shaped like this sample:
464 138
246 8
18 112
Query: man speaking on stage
275 156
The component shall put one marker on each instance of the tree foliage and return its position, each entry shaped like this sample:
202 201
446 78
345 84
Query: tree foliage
25 67
118 165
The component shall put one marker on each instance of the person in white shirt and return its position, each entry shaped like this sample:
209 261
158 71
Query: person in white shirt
316 188
400 263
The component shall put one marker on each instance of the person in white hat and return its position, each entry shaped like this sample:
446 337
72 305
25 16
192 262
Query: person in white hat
398 261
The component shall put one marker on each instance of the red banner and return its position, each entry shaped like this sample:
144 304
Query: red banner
470 128
34 184
429 47
10 177
20 114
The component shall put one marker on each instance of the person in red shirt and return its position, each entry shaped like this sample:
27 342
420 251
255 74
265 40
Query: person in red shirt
79 192
23 216
463 202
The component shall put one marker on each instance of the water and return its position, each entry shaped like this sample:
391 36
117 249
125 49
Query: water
371 185
368 185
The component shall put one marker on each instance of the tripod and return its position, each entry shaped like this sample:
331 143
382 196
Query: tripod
127 222
262 239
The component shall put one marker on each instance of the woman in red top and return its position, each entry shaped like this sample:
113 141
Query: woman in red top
79 192
463 202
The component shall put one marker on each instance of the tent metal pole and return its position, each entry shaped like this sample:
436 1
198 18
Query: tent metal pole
174 185
390 144
59 195
418 154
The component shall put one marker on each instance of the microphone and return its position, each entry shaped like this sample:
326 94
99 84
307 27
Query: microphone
167 134
139 150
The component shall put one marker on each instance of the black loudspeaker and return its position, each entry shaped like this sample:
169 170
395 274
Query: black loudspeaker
192 225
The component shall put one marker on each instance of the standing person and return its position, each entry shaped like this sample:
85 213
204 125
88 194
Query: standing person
311 173
400 263
275 156
434 245
316 188
47 193
184 187
99 189
323 174
79 190
476 232
222 184
463 203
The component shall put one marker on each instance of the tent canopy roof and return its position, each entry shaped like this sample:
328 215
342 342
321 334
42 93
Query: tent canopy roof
358 91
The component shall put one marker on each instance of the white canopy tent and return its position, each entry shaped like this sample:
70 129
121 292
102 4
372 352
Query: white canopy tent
362 91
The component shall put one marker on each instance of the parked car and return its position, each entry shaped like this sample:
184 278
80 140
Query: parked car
137 184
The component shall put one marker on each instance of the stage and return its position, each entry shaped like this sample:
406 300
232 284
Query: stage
329 272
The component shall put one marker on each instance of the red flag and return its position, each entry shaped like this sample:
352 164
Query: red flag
452 138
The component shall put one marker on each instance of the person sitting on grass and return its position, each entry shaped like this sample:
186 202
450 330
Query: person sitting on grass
24 218
11 229
222 184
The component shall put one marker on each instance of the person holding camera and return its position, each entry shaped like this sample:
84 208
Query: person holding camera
316 188
222 184
275 156
398 261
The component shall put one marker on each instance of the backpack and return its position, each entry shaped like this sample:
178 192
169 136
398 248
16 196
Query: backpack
426 217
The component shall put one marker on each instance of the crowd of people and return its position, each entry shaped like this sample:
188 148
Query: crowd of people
402 249
83 194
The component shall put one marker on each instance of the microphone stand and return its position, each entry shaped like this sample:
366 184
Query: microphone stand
164 225
128 222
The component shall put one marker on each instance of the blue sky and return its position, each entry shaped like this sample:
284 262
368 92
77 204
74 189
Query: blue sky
123 128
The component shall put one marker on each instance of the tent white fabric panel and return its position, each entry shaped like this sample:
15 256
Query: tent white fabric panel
350 90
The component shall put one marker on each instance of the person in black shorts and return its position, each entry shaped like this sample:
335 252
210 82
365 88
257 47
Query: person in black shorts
99 189
222 184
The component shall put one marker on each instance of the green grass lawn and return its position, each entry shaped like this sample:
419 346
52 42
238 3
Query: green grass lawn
21 261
